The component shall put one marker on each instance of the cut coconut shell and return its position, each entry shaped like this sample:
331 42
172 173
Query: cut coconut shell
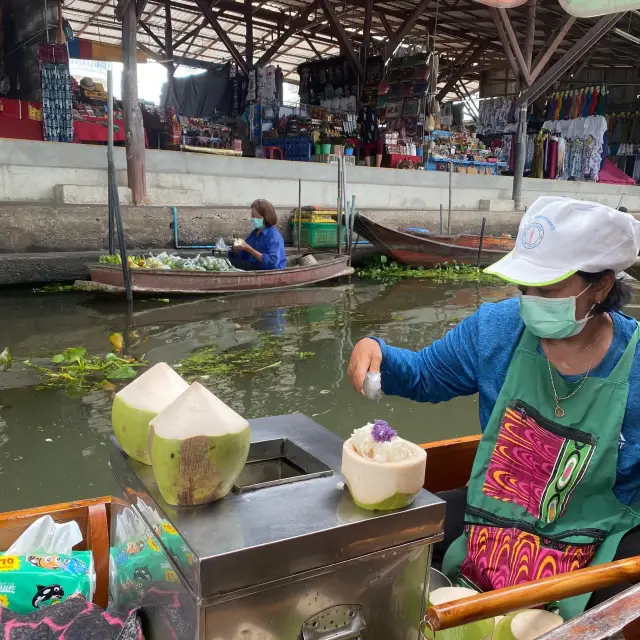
527 625
141 401
480 630
199 447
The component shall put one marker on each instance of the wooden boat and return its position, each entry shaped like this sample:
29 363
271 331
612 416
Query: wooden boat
427 250
449 467
92 517
106 278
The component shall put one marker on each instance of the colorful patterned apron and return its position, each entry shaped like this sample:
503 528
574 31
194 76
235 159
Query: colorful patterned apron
540 499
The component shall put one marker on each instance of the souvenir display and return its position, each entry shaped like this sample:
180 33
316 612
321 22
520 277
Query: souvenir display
56 93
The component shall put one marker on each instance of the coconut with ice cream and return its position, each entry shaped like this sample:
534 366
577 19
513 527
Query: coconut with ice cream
382 471
198 447
141 401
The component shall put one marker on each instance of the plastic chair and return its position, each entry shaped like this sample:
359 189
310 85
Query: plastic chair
272 153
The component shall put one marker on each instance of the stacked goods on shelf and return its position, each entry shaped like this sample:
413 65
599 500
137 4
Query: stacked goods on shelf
402 101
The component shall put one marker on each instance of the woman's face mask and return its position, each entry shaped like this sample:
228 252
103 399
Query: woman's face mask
552 318
257 223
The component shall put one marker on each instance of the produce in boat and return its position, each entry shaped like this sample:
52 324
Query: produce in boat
172 262
382 471
526 625
480 630
199 447
141 401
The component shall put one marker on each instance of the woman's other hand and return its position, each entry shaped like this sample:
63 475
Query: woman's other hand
242 246
366 356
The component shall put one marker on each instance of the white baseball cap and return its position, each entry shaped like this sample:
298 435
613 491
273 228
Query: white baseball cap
559 236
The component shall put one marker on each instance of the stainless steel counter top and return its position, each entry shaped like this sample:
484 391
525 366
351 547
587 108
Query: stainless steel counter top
254 537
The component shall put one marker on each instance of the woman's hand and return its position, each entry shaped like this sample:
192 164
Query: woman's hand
366 356
243 246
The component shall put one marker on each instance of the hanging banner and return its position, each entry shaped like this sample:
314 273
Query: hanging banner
502 4
593 8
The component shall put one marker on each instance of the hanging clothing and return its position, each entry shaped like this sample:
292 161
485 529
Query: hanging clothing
537 165
586 103
553 158
539 501
594 102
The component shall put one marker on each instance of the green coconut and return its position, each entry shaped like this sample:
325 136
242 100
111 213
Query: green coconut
527 625
141 401
199 447
480 630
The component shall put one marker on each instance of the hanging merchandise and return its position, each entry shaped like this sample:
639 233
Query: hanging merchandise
570 149
57 109
593 8
497 115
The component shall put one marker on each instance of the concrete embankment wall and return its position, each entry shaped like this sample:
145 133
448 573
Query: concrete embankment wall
53 213
76 174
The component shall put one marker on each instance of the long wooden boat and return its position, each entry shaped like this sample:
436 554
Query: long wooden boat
106 278
428 250
449 464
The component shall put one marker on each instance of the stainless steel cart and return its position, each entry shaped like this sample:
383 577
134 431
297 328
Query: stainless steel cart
286 556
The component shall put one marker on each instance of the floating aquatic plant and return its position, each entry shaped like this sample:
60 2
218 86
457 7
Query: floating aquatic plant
245 359
382 269
75 370
5 359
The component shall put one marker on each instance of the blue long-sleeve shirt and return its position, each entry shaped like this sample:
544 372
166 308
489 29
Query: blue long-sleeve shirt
474 358
270 244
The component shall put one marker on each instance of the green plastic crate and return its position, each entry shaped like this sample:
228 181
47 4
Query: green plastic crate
318 235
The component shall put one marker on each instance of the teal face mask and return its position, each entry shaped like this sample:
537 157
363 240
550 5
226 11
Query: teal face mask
257 223
552 318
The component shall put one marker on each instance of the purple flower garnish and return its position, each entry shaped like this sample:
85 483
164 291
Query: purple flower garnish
382 431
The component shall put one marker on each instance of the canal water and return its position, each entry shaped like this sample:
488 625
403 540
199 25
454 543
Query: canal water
53 442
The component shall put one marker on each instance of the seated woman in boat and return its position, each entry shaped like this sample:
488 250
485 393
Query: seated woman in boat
263 248
555 484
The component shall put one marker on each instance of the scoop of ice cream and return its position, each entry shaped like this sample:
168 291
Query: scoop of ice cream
379 442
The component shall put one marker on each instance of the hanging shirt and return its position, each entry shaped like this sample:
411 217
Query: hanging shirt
368 120
474 358
270 244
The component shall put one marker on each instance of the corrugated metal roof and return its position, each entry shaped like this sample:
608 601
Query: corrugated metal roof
454 23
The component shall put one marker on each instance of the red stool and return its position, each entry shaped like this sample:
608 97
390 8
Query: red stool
272 153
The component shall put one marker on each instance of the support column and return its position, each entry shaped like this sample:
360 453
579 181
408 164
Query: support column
132 114
248 17
521 154
168 39
521 135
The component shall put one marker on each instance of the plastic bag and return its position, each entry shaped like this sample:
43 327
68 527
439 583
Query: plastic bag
221 245
41 568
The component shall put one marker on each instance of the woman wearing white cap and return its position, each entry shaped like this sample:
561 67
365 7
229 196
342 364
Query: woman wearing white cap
556 480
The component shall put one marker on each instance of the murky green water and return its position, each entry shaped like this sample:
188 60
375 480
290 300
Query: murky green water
52 445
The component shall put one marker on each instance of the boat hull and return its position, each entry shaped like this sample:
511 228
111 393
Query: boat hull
109 279
427 250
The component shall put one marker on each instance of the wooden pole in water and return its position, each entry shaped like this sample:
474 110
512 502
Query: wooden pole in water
450 198
132 114
441 220
340 198
114 198
110 156
299 212
484 221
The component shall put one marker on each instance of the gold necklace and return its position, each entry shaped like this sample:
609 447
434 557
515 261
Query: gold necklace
559 411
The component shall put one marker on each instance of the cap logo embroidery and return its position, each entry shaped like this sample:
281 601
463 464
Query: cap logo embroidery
532 235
